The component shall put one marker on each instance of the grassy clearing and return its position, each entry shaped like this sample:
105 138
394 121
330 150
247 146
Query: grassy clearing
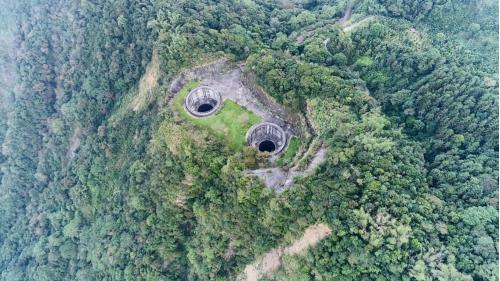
231 122
292 149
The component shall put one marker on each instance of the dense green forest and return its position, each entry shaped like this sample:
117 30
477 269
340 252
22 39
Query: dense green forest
100 180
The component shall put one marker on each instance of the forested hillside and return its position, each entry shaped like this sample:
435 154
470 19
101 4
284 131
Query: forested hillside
102 180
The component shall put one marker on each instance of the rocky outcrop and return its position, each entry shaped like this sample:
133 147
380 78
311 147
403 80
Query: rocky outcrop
197 73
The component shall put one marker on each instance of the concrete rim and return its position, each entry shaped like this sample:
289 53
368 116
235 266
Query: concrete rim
256 143
216 96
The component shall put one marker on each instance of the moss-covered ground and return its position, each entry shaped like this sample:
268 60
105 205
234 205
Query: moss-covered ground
290 152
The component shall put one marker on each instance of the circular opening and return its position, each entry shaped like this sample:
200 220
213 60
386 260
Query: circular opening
267 146
202 101
206 107
267 137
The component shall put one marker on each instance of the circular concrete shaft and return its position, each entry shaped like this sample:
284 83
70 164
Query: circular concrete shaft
267 137
202 101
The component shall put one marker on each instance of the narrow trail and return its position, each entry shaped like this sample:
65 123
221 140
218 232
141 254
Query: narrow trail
357 24
346 27
348 11
308 32
318 158
279 179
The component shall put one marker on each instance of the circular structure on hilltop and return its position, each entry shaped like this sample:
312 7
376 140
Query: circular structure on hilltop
202 101
267 137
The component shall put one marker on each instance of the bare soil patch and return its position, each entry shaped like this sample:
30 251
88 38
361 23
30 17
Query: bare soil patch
74 142
311 237
267 264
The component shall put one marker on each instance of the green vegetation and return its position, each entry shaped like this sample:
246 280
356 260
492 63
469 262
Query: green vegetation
102 180
231 122
364 61
287 157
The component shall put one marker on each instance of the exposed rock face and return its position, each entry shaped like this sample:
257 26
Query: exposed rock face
199 73
232 82
267 137
203 101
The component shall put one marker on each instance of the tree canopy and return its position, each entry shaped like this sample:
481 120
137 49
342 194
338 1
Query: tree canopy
102 180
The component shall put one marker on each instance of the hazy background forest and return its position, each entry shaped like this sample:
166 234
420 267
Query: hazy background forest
96 184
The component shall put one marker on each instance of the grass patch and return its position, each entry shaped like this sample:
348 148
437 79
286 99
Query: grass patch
231 122
364 61
292 149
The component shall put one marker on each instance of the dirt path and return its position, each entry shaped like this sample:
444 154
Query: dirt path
308 32
279 179
270 262
74 142
357 24
318 158
348 11
346 27
312 236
